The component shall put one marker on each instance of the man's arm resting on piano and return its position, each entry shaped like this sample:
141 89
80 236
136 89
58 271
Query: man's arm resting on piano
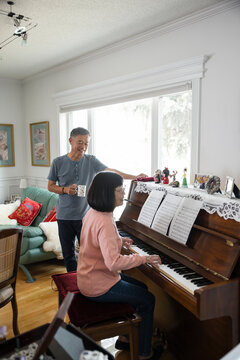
126 176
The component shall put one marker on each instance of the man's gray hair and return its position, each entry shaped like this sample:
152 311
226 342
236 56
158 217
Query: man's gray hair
79 131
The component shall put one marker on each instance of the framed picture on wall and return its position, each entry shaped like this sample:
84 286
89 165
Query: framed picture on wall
39 138
6 145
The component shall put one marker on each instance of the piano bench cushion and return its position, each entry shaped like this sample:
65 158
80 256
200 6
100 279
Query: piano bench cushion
84 312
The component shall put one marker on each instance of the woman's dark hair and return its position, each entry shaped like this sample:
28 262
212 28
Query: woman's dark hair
101 194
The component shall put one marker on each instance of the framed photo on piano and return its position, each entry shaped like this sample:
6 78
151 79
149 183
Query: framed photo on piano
229 185
200 181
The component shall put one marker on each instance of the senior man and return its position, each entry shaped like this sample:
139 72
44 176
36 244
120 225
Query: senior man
68 173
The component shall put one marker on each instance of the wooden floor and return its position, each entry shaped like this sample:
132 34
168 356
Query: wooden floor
37 301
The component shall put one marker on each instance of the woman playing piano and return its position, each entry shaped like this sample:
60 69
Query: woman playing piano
100 260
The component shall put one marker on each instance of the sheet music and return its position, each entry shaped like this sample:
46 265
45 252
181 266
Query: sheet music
184 219
150 207
165 213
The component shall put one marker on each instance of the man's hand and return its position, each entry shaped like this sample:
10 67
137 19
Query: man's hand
71 190
141 176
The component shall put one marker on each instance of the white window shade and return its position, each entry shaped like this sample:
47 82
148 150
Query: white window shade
149 83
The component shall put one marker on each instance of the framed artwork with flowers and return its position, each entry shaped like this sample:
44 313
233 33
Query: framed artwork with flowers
6 145
39 138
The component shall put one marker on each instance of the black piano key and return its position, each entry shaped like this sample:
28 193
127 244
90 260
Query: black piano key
206 282
175 266
202 281
184 271
192 276
197 281
164 262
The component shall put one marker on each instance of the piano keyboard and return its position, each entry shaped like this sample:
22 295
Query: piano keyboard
172 269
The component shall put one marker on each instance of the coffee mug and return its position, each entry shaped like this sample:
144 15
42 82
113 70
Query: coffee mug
81 190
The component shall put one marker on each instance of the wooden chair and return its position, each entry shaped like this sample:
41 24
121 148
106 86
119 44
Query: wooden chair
99 320
10 246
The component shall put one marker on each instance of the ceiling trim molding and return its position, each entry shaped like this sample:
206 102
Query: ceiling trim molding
10 81
200 15
141 83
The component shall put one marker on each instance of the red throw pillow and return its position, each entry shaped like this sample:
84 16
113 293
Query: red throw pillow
26 212
54 218
51 216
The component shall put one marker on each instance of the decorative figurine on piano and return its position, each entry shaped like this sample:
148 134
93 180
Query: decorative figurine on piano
174 182
165 178
184 182
157 176
173 175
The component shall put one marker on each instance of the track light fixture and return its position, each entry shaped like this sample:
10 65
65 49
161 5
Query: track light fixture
22 24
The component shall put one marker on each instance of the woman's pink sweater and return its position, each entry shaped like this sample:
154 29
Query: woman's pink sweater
100 256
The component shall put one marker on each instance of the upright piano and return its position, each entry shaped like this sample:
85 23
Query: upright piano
197 285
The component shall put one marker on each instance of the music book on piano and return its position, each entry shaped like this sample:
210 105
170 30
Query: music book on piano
150 207
177 212
184 219
165 213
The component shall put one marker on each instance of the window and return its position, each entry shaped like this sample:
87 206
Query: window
175 119
138 136
173 78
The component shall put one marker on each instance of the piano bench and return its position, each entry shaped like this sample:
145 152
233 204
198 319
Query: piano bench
99 320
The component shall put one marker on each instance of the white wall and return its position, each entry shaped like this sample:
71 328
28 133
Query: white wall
216 36
11 112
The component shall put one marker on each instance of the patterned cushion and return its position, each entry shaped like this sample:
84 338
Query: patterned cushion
84 311
51 216
26 212
54 218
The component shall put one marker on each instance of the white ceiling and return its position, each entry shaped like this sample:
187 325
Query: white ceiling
68 29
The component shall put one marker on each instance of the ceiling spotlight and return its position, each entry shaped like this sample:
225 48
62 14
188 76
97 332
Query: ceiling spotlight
16 22
20 31
24 36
